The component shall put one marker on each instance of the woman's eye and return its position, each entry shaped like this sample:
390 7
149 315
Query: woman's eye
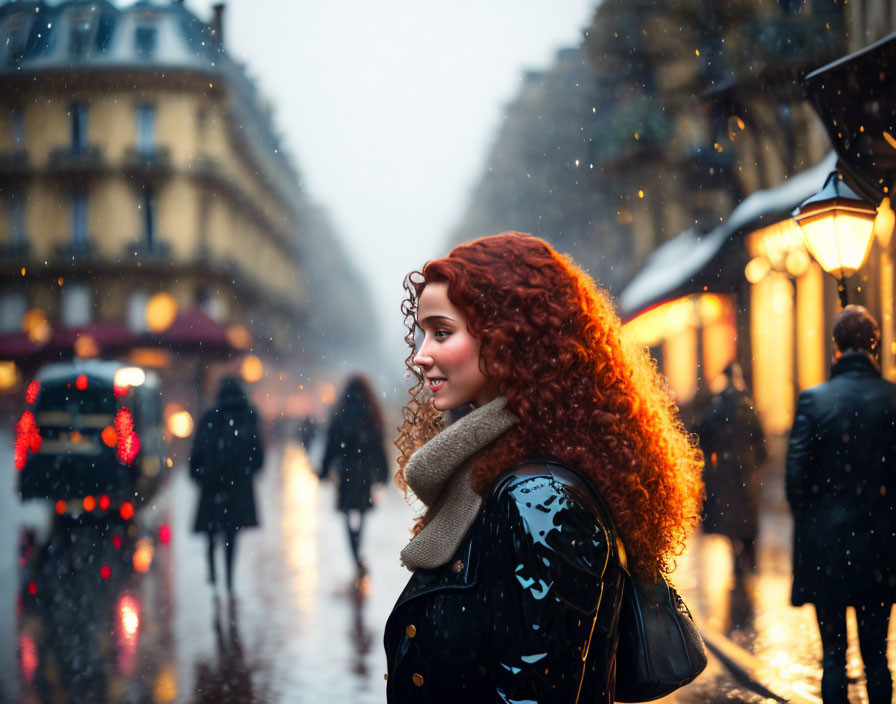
440 334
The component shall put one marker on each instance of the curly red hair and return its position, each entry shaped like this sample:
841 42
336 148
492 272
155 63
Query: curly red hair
553 341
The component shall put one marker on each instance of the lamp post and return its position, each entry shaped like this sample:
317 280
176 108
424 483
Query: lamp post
837 225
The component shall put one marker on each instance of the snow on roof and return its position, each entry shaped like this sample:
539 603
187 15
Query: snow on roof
671 265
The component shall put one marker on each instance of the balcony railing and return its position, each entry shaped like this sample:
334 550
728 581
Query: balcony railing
78 250
13 164
143 250
69 161
14 250
155 160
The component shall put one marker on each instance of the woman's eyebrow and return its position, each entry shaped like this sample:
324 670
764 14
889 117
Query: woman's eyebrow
435 319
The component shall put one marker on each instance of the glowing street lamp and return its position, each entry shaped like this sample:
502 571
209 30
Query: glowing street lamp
837 225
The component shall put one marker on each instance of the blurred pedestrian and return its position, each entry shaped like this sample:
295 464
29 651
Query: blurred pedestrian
227 452
517 581
841 487
354 452
734 451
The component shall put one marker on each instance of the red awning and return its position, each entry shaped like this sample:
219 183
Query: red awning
106 335
16 347
195 330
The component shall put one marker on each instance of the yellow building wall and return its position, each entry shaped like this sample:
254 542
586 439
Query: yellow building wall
47 127
110 124
114 220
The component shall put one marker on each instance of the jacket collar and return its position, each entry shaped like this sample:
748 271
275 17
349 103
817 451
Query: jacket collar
855 361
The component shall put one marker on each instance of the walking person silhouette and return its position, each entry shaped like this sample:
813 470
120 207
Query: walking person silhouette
355 448
841 487
227 452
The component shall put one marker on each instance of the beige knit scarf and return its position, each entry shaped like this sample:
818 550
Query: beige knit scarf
439 475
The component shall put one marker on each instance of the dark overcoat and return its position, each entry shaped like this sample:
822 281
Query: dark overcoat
355 452
841 485
527 608
227 451
734 450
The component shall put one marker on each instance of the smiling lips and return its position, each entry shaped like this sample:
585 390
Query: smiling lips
436 383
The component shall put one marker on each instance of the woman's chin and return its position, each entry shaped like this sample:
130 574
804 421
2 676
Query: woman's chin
445 404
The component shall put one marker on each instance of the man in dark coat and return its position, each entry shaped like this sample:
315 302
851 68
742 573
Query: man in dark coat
227 452
733 447
355 449
840 484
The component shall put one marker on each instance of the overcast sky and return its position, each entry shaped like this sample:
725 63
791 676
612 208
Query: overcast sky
388 108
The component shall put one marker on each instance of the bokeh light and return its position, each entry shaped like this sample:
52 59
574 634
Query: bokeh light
161 310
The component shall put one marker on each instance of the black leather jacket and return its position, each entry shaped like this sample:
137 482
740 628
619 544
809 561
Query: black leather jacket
526 609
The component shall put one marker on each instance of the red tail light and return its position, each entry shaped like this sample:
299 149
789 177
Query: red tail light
32 391
27 438
127 510
81 383
128 440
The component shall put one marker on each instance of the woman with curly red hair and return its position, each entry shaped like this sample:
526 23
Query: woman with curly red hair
516 580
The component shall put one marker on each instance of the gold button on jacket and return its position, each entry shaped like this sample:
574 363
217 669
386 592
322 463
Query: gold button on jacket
418 679
411 631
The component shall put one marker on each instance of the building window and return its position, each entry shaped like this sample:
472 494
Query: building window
17 127
148 206
13 305
146 128
145 41
16 211
78 113
75 305
79 38
79 217
136 312
104 30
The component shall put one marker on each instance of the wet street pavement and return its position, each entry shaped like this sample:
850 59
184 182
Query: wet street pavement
79 623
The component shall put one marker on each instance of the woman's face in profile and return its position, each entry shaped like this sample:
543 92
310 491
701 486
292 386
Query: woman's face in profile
448 354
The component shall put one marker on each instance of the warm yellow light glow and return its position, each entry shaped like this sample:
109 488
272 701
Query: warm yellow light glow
680 363
180 424
142 559
839 238
86 346
810 328
797 262
161 310
771 328
656 324
9 375
150 357
781 246
884 223
719 339
165 689
129 376
756 269
252 369
238 336
129 613
36 326
328 392
299 525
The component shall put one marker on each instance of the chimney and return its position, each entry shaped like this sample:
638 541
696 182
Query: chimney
218 22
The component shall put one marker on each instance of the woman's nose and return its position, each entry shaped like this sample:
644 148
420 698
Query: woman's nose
422 358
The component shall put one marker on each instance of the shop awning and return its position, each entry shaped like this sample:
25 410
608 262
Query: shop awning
713 262
856 98
194 331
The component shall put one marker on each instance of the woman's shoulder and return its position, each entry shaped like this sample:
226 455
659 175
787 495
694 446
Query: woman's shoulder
558 509
548 486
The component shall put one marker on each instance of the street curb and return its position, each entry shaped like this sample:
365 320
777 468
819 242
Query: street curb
743 666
